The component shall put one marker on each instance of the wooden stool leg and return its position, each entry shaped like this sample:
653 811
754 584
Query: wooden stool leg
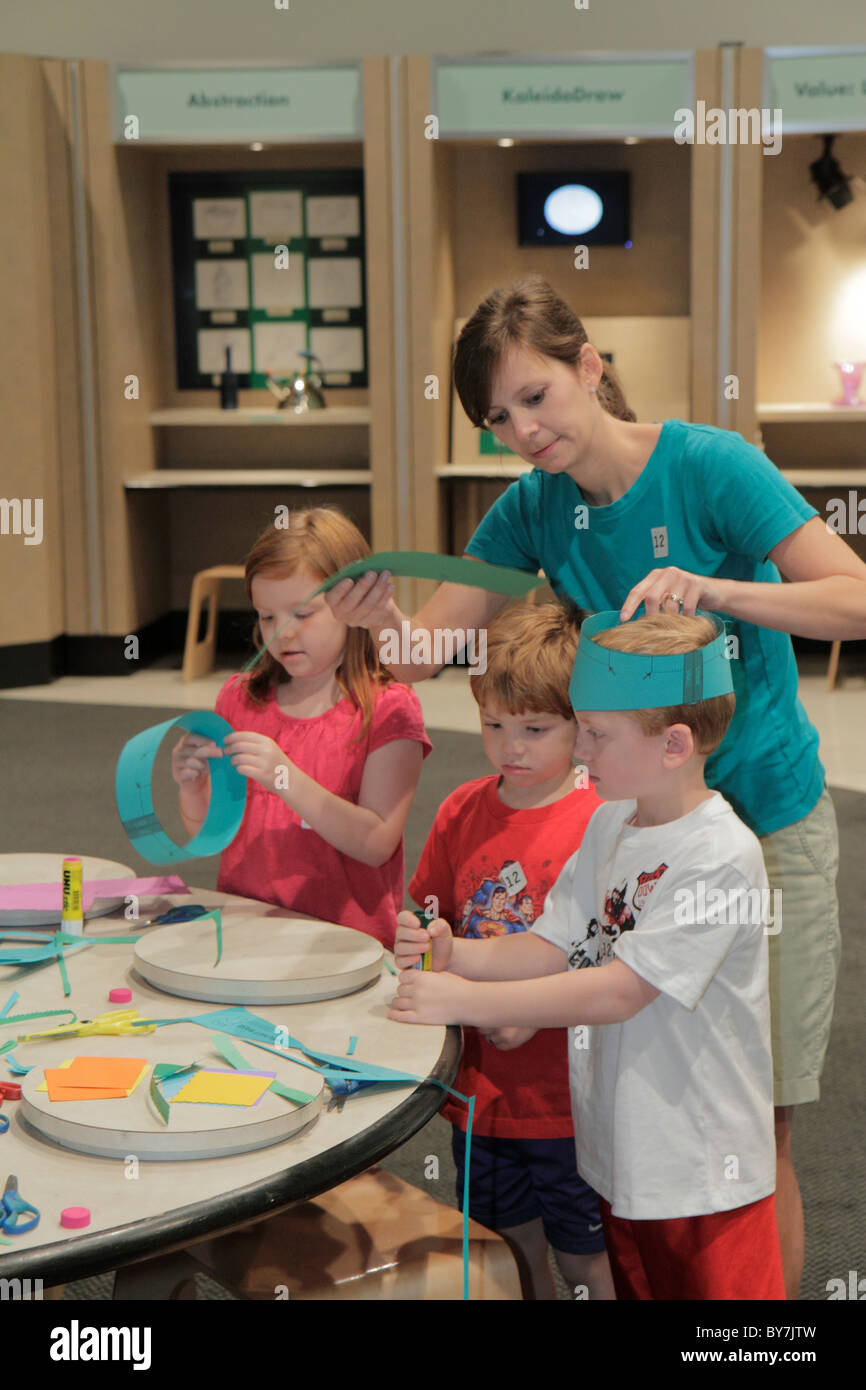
198 657
833 665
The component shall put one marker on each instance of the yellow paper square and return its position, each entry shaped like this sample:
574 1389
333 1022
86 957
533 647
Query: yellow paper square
223 1088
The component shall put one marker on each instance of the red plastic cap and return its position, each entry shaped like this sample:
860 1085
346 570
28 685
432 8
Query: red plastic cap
73 1217
121 995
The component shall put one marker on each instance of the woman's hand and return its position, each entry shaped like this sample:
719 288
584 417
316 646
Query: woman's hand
508 1038
259 758
189 759
365 602
427 997
695 590
412 941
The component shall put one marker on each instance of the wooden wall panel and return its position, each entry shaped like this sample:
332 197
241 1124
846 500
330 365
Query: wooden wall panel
32 227
705 252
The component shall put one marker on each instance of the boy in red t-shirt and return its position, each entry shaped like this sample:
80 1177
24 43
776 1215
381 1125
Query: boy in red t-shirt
495 850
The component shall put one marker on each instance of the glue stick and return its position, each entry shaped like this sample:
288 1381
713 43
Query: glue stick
72 915
426 961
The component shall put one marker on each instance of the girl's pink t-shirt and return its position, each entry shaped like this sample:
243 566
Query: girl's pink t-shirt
274 856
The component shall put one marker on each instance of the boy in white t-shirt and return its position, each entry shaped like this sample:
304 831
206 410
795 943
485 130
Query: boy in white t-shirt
670 1064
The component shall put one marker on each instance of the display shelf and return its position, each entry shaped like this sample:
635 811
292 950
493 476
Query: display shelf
512 468
204 415
800 477
174 478
825 477
810 412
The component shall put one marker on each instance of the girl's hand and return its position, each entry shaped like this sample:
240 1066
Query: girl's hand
425 997
189 759
412 941
695 590
365 602
507 1038
259 758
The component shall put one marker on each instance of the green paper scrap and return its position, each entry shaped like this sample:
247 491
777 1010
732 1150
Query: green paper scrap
13 999
217 916
42 1013
421 564
67 988
230 1053
161 1072
389 966
353 1043
50 949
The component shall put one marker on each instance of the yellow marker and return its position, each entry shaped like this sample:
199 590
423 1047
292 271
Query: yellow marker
72 914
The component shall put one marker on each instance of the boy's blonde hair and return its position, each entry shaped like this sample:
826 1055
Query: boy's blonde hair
668 634
530 654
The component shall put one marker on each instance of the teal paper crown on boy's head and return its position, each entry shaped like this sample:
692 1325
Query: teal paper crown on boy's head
602 679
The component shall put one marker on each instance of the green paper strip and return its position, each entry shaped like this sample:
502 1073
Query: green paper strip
420 564
43 1013
217 916
67 988
161 1072
230 1053
300 1097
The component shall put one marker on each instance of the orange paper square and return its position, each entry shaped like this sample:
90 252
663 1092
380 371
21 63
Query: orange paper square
101 1073
92 1093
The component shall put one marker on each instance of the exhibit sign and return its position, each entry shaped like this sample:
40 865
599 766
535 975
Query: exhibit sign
605 95
817 89
237 105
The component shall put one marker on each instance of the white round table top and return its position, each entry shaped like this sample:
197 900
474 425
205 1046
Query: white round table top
267 958
48 868
119 1127
171 1202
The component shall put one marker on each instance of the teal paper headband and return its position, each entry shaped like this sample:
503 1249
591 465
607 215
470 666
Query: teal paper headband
607 680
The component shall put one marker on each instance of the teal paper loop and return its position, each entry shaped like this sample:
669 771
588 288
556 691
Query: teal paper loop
603 679
132 785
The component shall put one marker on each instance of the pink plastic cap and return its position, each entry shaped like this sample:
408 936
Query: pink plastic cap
121 995
73 1217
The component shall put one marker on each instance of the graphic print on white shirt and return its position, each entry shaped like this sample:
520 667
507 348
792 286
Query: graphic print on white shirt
597 946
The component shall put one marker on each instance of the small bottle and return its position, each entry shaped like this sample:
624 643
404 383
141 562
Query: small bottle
228 385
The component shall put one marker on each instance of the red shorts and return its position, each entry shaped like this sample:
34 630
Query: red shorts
722 1255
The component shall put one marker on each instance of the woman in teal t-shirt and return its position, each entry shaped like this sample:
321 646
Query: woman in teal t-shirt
674 516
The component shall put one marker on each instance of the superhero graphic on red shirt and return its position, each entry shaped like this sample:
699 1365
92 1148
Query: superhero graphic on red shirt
500 906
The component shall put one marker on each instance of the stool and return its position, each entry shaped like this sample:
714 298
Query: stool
833 665
373 1237
198 656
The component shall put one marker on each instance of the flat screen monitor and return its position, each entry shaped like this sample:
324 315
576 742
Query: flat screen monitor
576 207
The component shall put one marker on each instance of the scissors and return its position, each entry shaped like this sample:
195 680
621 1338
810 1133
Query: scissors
110 1024
13 1205
9 1090
186 913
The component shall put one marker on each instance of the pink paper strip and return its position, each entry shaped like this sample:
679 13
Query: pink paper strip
45 897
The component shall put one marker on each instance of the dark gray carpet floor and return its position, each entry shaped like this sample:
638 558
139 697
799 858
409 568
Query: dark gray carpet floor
58 765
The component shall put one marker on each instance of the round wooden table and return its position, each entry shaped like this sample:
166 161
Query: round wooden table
140 1209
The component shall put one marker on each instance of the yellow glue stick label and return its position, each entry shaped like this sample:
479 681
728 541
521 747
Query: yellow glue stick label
72 880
